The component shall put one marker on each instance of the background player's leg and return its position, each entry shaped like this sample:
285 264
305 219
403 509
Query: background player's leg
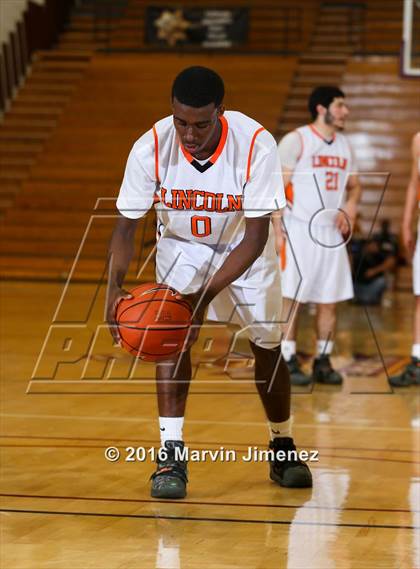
325 327
416 333
411 374
415 352
172 382
290 317
326 321
273 384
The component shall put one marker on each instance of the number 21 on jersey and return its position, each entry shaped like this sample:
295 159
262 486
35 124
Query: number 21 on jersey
331 181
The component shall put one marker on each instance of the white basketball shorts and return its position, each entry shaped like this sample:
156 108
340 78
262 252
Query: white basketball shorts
317 267
252 302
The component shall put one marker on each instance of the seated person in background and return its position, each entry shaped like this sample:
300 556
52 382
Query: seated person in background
377 257
388 241
355 245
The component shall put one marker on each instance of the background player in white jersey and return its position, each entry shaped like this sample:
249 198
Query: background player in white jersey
215 177
411 374
322 190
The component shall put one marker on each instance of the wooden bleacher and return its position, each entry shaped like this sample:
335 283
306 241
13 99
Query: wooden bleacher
33 116
274 25
385 113
336 34
66 137
376 25
383 26
84 158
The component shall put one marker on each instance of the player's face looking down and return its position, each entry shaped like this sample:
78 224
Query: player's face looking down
198 129
336 113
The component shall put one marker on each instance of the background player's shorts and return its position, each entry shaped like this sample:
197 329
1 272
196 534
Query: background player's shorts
416 265
252 302
317 267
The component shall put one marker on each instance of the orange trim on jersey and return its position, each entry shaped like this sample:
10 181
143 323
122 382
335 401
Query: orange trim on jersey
251 149
222 140
289 192
187 155
220 146
282 255
313 129
156 154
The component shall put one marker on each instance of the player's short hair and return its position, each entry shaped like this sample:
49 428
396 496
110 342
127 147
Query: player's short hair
198 86
323 96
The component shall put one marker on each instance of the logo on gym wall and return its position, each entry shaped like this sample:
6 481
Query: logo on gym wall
196 27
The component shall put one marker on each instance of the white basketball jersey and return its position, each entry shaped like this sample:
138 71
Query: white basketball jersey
204 201
317 188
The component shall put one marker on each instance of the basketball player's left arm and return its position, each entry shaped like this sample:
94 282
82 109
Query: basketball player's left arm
241 257
236 263
354 191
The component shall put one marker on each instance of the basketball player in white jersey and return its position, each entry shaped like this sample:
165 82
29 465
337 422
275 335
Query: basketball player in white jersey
323 191
411 374
215 179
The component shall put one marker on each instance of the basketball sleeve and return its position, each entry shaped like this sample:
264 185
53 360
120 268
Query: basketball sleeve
139 182
290 149
264 190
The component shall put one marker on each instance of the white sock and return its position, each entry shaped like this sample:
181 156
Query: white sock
288 349
324 347
278 430
415 351
170 429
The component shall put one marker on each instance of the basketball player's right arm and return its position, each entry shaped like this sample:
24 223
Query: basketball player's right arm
289 149
134 200
120 253
411 197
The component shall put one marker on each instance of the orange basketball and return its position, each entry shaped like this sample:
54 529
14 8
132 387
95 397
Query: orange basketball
153 324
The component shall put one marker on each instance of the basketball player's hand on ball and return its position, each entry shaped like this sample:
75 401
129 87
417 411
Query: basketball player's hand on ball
115 295
198 305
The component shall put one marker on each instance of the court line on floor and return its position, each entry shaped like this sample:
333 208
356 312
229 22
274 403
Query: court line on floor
224 504
109 440
198 519
352 426
193 393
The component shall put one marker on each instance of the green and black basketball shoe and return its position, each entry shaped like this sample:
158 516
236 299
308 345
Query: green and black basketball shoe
170 479
297 375
410 375
289 471
323 372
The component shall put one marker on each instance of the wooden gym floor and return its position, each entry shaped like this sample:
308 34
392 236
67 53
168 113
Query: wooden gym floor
64 505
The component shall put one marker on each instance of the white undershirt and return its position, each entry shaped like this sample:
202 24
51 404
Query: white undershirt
290 149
